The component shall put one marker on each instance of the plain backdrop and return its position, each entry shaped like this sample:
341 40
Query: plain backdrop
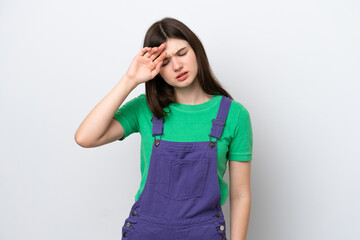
293 64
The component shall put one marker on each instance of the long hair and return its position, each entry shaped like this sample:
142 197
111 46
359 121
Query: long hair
160 94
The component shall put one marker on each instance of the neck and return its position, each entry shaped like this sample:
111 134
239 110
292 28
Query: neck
191 95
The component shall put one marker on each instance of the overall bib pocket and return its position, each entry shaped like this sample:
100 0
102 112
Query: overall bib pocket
181 178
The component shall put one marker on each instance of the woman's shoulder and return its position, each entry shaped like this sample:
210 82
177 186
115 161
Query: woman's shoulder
238 110
135 104
140 99
143 104
237 105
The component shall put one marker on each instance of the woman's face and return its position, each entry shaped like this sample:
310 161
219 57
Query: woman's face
180 58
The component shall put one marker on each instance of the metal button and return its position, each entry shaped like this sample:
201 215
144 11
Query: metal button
218 214
223 238
128 224
133 213
212 144
222 227
157 142
124 235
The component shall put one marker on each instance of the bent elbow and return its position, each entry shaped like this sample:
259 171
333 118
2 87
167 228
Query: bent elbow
82 142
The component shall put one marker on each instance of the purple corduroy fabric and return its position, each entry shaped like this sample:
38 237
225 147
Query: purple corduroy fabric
181 196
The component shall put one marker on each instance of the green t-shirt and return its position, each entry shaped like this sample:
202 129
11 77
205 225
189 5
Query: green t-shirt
190 123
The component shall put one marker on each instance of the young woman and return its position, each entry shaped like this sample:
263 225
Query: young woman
190 128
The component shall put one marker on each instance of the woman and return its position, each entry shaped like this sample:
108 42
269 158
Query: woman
189 127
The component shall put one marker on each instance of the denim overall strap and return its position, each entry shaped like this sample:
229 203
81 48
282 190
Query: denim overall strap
219 122
158 125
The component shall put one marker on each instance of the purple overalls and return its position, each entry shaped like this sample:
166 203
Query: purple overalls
181 196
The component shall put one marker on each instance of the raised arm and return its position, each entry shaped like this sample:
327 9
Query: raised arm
99 127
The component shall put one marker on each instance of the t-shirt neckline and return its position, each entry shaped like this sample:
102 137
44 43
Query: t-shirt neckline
196 107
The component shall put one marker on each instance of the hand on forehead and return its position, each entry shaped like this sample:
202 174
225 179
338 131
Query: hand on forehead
174 46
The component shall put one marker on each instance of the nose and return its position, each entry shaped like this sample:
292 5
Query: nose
177 65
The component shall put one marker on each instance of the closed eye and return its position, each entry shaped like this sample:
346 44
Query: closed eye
179 55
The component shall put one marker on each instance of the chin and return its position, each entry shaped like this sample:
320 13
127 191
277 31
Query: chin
184 84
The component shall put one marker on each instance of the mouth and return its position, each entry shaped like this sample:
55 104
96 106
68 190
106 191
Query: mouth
182 75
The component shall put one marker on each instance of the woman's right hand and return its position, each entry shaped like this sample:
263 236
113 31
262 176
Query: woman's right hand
146 64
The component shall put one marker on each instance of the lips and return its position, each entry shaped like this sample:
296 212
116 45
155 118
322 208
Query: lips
181 74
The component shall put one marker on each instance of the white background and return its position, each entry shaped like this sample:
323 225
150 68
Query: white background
293 64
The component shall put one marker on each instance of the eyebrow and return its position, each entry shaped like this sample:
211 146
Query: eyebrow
176 52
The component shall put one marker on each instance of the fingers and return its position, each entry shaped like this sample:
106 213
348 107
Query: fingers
153 53
150 53
144 50
156 70
157 51
160 58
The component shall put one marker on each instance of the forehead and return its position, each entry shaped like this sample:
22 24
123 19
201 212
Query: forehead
174 44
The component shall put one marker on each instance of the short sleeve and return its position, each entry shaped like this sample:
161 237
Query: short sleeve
127 116
241 145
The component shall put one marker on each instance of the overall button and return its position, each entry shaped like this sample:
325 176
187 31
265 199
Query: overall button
157 143
222 227
223 238
124 235
133 213
128 224
212 144
218 214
